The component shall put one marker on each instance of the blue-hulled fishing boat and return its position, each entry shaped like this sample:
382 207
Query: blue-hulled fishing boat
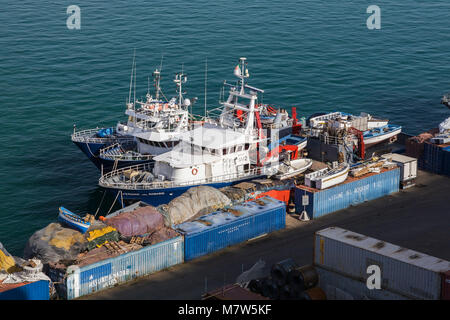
217 154
72 220
153 127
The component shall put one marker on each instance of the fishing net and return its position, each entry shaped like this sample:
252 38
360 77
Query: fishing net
7 261
140 221
161 235
99 233
195 201
54 243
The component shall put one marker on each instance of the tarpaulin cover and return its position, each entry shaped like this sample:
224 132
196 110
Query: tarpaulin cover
197 200
54 243
105 132
256 272
161 235
137 222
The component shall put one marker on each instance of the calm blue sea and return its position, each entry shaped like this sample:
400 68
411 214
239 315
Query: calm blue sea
316 55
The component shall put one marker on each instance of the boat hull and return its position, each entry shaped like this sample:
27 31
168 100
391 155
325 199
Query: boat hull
91 150
64 219
295 172
329 182
371 141
156 197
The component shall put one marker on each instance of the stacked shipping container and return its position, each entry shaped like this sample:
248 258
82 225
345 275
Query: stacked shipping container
38 290
404 273
78 281
221 229
318 203
434 158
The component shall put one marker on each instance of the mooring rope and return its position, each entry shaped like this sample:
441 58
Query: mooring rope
114 201
96 212
89 148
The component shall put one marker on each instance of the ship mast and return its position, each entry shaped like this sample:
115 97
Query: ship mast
206 78
180 78
131 78
157 79
243 73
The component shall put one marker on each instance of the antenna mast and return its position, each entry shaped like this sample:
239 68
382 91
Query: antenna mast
243 74
134 94
206 79
157 76
131 77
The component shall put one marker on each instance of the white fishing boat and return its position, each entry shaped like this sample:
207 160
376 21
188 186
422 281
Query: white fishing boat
153 127
156 128
325 178
217 154
292 168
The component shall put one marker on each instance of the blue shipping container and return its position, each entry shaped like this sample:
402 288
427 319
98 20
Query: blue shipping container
224 228
322 202
435 159
38 290
112 271
446 166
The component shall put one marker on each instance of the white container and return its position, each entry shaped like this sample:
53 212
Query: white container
408 165
405 272
339 287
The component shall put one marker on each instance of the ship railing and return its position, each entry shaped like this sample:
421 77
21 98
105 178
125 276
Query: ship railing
329 139
110 147
88 136
105 180
84 135
104 153
290 122
120 145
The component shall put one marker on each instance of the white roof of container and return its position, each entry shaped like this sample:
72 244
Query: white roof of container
226 216
386 249
398 157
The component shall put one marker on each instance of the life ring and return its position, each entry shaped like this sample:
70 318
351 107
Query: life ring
194 171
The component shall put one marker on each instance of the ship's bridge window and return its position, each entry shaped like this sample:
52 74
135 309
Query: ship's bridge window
247 145
238 148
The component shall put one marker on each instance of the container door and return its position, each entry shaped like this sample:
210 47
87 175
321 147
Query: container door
414 168
406 171
445 291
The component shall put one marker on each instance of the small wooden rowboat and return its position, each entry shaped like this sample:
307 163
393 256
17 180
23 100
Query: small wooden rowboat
73 220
